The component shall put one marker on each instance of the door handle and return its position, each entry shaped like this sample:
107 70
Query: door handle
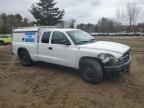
50 48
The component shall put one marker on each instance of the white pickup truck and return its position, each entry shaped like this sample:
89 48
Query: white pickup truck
72 48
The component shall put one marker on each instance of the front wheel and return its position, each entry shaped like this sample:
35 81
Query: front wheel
91 71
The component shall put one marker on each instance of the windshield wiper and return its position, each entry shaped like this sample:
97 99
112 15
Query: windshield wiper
92 40
81 42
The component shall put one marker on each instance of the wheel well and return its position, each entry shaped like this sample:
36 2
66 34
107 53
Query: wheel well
93 58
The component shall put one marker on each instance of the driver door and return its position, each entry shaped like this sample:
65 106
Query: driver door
62 50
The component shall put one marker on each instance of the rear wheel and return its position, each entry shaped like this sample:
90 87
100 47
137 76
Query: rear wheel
91 71
25 58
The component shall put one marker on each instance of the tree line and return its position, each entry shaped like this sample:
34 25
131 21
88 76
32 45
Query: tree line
125 21
46 13
110 25
8 21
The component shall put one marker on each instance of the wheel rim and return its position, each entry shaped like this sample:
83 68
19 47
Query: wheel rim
88 72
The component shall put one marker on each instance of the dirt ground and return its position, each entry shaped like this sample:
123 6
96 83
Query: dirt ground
50 86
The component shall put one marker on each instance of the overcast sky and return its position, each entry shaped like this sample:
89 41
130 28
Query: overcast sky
83 11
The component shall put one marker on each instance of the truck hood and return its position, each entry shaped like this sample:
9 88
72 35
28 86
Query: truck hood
108 46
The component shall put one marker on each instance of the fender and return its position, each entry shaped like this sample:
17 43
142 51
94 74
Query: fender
86 57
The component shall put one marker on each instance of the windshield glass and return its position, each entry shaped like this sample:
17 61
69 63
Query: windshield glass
80 37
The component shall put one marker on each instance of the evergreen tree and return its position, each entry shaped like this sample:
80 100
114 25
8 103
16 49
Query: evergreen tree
46 14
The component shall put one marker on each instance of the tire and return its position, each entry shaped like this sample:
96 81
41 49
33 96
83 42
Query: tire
91 71
25 58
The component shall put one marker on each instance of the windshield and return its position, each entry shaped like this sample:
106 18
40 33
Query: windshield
80 37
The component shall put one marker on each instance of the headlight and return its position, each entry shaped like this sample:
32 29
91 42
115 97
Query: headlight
108 58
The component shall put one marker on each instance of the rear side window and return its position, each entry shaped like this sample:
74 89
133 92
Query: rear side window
45 37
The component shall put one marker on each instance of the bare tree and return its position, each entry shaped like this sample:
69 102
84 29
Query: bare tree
70 23
106 25
132 14
120 19
120 16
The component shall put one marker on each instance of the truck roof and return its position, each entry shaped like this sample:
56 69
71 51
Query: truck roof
45 28
26 29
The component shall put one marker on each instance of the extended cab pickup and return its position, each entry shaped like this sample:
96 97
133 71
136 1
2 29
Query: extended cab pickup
72 48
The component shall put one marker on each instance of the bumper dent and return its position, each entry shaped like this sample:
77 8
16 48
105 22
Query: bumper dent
118 68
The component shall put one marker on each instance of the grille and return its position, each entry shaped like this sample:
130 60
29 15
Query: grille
125 58
127 53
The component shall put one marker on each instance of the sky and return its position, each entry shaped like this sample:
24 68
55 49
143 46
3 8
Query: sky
84 11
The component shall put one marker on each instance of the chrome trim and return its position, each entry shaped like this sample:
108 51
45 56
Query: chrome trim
124 56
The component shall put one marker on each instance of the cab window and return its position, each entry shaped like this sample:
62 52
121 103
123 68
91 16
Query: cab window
45 37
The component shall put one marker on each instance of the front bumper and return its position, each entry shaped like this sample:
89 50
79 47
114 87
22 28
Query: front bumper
116 70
